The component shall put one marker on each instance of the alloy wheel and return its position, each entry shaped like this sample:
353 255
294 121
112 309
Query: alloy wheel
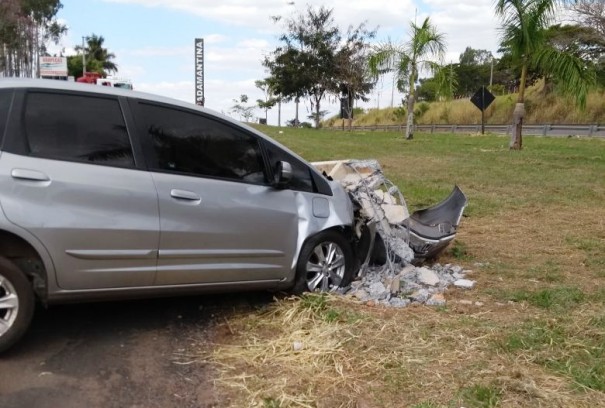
325 268
9 305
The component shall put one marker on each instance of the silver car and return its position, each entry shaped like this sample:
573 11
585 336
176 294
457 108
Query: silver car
107 193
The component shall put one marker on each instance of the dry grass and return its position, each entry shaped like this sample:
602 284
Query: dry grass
541 108
354 356
534 235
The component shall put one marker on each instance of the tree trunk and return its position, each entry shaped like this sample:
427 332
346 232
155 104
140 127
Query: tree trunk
296 122
516 141
516 136
279 113
409 130
317 118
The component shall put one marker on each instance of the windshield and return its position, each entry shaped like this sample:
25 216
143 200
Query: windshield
122 85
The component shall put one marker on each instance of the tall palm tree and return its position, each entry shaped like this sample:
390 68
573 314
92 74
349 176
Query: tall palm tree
406 59
97 55
524 25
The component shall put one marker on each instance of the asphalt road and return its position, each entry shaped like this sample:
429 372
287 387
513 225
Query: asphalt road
119 354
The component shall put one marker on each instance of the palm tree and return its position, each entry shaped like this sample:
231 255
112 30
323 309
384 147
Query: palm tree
95 52
524 25
406 59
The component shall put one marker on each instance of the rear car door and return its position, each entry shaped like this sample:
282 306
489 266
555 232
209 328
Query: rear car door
220 220
72 179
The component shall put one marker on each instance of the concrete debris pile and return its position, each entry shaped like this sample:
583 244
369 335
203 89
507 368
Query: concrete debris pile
390 239
410 285
381 206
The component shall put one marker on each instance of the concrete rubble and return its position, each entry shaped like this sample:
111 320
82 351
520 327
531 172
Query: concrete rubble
406 286
383 219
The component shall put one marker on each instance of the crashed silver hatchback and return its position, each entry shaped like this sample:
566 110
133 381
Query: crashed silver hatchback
117 194
107 193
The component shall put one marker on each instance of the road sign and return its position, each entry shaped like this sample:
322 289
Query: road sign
53 66
200 98
482 98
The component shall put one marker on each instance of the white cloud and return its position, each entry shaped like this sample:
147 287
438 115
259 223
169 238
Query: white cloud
254 43
387 13
158 51
215 39
131 71
466 23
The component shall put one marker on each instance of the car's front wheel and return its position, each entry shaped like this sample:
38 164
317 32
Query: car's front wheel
326 263
16 304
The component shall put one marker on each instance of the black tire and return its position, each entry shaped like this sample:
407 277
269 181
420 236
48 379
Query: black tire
13 283
309 254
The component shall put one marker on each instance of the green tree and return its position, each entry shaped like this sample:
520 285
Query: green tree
355 80
524 26
406 59
26 26
584 42
427 90
590 13
245 112
473 70
269 100
472 56
98 58
96 52
305 63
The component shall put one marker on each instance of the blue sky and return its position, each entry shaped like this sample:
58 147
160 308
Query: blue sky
154 39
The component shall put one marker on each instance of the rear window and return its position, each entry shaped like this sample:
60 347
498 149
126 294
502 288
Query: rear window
77 128
5 103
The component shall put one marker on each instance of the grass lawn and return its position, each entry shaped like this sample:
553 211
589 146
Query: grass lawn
534 235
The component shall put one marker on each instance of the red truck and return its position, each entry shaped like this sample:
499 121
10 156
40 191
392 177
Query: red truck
96 78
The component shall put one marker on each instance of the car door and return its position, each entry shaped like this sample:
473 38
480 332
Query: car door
220 221
73 182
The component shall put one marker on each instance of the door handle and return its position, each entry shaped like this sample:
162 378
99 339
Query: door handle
25 174
184 195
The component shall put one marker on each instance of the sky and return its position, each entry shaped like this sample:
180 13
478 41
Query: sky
153 40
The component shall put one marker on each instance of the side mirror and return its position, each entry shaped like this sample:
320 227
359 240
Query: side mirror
282 174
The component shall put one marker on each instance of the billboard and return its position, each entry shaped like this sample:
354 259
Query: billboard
199 71
53 66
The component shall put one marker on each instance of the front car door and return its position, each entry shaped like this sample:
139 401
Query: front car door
72 181
220 220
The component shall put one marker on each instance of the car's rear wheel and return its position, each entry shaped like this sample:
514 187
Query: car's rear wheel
326 263
16 304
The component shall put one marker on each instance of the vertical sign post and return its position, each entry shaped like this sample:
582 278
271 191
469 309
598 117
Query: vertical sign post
199 72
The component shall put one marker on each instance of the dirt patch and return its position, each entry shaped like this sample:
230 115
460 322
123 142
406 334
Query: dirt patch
119 354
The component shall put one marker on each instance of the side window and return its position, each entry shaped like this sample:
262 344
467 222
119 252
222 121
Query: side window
187 142
301 177
5 103
76 128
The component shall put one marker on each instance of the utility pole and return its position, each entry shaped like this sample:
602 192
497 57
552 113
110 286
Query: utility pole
393 90
83 56
491 74
451 80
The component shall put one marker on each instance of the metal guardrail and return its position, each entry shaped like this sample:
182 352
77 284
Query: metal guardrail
554 130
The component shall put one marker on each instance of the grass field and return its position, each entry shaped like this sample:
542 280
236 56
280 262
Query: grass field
534 235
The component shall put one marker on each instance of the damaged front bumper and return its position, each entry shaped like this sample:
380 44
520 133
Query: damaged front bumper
385 230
